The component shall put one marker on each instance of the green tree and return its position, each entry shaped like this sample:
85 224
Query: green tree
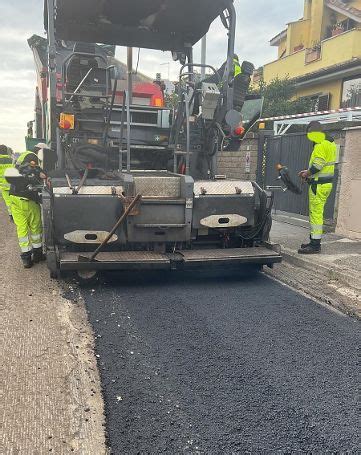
171 100
279 98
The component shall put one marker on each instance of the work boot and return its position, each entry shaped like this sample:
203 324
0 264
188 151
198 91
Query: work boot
38 255
305 245
27 260
313 248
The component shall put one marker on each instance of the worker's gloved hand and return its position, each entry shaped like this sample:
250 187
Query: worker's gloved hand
304 174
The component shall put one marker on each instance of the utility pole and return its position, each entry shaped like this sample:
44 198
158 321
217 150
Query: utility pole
204 56
52 126
168 64
130 73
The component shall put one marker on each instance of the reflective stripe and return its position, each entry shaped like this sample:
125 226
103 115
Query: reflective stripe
321 178
36 236
37 245
321 174
316 236
317 227
317 166
319 161
25 249
5 159
23 239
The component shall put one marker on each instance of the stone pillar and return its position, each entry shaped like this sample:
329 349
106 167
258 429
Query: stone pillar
349 202
240 164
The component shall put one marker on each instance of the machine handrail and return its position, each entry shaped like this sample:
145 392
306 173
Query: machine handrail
196 65
121 134
125 108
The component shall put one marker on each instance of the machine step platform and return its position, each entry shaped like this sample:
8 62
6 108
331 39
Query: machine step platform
182 260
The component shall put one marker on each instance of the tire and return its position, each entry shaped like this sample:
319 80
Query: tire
87 278
55 274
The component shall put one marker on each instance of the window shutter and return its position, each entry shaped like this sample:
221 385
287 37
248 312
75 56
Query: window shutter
324 102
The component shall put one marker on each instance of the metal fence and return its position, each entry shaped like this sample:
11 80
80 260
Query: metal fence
293 151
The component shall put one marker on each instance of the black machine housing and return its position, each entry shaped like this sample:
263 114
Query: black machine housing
188 216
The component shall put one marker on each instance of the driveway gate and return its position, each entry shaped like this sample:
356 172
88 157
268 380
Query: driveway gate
293 151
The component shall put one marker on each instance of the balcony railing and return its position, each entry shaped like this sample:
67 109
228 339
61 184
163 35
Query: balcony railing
329 52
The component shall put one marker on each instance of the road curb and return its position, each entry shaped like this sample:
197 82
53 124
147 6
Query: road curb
331 272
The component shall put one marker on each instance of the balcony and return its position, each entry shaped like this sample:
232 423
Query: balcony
330 52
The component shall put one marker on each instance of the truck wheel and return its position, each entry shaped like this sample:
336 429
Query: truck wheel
55 274
87 277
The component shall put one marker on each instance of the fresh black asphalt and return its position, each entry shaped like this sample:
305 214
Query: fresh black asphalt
219 364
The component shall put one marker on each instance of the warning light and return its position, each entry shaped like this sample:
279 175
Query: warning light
67 121
239 131
65 125
156 101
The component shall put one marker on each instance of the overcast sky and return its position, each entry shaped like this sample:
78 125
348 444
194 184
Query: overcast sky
258 21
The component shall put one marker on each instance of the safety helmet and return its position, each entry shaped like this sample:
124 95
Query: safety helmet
41 146
314 127
315 132
3 149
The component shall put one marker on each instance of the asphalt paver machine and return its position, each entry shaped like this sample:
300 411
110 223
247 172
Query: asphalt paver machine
134 185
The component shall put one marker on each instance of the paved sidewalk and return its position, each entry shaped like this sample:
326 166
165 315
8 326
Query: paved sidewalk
339 265
49 386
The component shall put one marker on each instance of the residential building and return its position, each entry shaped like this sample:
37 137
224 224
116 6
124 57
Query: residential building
322 53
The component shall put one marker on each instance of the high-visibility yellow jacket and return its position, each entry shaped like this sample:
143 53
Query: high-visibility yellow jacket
323 160
5 163
237 67
26 157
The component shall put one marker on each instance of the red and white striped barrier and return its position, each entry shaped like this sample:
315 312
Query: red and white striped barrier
311 114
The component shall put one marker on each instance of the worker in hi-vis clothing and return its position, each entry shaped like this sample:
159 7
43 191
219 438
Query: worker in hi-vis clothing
26 212
320 176
241 80
5 163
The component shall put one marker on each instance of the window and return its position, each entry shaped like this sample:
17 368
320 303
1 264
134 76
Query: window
351 92
318 102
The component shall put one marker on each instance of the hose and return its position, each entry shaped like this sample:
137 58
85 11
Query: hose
258 227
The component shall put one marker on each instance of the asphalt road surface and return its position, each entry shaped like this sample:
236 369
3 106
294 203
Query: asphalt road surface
216 364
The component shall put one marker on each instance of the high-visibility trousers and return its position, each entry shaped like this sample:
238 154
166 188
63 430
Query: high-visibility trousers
27 218
6 197
318 195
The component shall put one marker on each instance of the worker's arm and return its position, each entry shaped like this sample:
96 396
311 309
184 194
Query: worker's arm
317 164
319 160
